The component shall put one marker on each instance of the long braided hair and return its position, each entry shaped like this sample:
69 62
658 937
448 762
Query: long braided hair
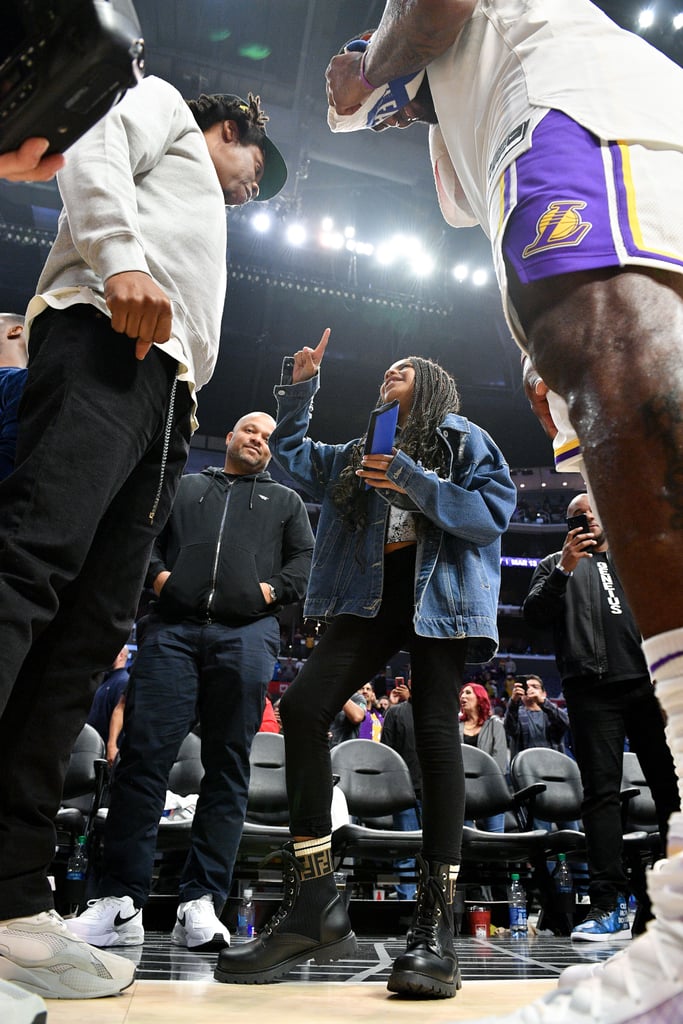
435 394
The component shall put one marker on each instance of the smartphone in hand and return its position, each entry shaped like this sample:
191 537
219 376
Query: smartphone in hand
579 522
381 431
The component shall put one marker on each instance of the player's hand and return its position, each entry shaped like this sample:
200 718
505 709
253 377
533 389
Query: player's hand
29 163
139 308
536 391
374 472
345 89
307 360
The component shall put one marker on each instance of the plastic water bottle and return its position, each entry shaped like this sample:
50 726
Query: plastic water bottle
246 915
517 902
76 869
564 884
77 864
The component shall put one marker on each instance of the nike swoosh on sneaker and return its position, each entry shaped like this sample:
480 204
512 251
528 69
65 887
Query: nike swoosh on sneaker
118 920
181 920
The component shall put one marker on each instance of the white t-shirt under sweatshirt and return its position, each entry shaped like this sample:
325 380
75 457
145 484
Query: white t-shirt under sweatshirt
140 192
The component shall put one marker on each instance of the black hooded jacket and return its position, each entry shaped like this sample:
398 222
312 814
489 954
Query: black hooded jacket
224 537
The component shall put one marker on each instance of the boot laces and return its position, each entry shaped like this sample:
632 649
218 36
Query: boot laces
431 905
291 870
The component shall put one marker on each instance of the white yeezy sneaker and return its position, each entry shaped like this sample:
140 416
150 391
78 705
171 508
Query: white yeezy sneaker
197 926
17 1006
110 921
41 955
642 984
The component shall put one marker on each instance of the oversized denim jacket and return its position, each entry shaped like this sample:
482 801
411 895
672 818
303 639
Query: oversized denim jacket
457 576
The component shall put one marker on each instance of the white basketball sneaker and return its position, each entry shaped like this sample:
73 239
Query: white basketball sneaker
198 927
110 921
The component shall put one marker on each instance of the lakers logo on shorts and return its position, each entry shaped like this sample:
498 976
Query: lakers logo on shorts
559 227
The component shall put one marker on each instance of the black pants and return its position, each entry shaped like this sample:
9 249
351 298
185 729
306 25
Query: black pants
352 651
75 541
601 716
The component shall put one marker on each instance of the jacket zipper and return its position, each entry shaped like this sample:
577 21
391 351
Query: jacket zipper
164 455
214 573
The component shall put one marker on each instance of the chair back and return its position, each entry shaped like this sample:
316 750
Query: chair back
81 775
641 812
187 771
373 777
561 798
267 799
486 789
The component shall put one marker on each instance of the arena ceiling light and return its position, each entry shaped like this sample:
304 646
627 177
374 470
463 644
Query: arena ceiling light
261 222
296 234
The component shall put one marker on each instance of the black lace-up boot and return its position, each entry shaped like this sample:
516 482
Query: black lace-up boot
311 923
429 966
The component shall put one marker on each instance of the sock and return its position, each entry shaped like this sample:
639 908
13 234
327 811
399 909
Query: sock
315 856
664 654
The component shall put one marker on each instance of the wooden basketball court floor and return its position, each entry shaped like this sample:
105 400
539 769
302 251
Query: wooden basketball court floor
175 986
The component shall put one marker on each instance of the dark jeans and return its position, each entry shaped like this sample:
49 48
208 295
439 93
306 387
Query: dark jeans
217 674
601 716
351 651
75 540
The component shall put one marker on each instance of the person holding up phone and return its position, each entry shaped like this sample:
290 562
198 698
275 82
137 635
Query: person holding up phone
609 697
412 563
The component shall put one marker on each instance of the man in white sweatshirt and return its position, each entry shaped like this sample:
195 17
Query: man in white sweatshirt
123 330
562 135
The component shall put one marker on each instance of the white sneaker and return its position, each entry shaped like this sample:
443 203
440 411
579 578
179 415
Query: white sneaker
642 984
110 921
198 927
40 954
17 1006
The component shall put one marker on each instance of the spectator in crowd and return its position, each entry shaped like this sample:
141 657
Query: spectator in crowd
371 726
124 329
397 565
270 721
13 361
532 720
398 732
346 723
108 695
480 728
236 549
578 593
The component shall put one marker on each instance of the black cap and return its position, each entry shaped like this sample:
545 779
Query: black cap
226 107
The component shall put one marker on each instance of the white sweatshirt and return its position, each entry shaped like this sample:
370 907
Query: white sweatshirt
140 192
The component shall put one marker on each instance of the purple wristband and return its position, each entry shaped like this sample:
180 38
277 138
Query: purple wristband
368 85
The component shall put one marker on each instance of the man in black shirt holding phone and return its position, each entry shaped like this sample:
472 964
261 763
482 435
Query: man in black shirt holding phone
609 695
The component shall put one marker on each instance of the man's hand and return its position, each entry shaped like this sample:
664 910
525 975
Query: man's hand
265 590
345 89
308 360
518 692
374 472
139 308
577 545
536 391
29 163
158 584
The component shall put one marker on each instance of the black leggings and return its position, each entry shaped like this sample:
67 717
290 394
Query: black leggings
352 651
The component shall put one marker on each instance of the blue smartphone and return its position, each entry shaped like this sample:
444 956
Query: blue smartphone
381 431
